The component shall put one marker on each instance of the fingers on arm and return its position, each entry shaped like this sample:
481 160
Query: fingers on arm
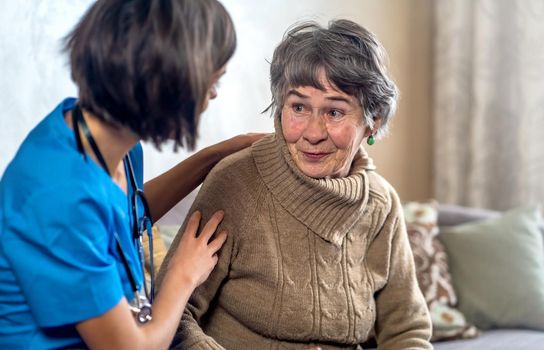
211 226
218 242
192 225
206 234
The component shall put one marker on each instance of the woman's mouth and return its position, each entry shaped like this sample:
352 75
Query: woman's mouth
315 156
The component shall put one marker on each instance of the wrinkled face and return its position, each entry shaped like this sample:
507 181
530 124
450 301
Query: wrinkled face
323 129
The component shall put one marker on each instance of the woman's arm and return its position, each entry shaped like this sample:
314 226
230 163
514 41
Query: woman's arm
166 190
402 317
216 193
189 334
189 266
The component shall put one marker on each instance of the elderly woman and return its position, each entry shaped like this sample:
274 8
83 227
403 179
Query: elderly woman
317 253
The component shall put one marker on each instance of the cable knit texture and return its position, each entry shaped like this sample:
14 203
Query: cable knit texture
307 261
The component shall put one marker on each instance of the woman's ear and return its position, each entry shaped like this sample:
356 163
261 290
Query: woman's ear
372 131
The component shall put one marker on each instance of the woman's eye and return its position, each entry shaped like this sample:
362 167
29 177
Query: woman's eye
298 108
335 113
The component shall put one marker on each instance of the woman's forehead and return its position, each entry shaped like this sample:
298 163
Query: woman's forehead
327 92
319 81
309 92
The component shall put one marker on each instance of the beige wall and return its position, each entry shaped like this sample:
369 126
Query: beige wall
35 28
404 157
404 28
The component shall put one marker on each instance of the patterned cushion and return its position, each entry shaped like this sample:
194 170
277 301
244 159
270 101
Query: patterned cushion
433 274
159 252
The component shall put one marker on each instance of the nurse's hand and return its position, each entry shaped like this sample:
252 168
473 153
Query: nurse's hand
192 262
234 144
195 256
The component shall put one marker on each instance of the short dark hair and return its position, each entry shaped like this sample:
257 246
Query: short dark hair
148 64
352 59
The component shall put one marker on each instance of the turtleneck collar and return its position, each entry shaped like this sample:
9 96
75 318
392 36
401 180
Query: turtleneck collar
328 207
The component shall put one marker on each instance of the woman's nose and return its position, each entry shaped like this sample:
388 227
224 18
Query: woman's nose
316 129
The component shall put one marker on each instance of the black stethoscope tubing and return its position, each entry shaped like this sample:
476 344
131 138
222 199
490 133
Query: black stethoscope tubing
78 121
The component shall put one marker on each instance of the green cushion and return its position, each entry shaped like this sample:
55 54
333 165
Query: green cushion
497 267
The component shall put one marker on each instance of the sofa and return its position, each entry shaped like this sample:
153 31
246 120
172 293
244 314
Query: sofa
448 217
496 338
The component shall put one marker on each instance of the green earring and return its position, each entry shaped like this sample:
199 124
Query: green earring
370 140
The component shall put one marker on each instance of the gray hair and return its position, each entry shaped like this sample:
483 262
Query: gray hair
351 57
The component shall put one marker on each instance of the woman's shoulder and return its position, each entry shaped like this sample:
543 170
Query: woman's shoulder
237 165
55 170
235 178
48 156
380 189
51 174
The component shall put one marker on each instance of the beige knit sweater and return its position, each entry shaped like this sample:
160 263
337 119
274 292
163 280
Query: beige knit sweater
307 262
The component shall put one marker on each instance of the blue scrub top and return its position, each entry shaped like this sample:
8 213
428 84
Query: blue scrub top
58 259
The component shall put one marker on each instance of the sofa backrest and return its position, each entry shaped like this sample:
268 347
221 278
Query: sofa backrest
450 215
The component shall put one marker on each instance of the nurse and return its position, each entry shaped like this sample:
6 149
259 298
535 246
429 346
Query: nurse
73 205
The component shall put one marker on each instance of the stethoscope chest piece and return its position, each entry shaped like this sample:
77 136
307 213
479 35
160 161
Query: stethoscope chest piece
141 308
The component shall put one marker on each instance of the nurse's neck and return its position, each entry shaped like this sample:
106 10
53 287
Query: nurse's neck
113 141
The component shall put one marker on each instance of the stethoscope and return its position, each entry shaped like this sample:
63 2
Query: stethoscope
141 304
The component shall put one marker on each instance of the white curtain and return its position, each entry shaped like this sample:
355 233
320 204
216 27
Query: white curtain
489 102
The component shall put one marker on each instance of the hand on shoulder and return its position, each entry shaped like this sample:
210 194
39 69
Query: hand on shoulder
235 144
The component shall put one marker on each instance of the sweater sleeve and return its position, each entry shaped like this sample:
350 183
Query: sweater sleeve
189 334
215 194
402 317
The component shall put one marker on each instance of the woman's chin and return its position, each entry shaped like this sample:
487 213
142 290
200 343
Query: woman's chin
315 172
